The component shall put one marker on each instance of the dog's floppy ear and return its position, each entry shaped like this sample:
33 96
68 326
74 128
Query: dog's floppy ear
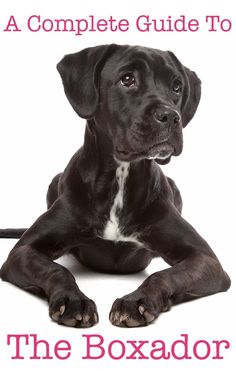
192 98
191 93
80 73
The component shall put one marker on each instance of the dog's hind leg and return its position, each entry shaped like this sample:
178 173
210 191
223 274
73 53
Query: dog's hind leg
53 190
52 195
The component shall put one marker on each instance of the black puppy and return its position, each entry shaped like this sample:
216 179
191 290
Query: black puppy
113 208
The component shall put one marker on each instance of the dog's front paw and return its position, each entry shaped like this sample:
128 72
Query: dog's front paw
73 310
133 310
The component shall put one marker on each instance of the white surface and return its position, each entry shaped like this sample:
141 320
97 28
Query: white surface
40 132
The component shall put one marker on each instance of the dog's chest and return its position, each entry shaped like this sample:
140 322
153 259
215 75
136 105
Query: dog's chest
114 230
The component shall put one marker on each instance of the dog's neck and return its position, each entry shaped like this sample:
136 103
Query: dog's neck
98 165
94 170
98 147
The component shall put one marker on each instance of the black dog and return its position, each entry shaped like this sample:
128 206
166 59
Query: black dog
113 208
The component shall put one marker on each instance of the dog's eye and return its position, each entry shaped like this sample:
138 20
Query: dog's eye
177 86
128 80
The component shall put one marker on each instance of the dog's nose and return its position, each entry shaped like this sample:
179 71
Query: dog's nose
166 116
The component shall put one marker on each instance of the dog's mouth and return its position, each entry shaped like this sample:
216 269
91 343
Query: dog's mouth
161 153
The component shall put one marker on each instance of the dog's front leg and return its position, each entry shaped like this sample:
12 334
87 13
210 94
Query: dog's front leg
30 266
195 271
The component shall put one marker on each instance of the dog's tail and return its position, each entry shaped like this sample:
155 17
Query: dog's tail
12 232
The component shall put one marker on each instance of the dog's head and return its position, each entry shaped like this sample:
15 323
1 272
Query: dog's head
140 97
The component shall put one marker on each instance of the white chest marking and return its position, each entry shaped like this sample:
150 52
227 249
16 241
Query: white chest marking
112 228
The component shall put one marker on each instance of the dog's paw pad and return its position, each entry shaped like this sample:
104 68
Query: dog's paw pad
55 316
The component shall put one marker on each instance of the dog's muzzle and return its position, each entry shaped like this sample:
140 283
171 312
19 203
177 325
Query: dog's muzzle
157 136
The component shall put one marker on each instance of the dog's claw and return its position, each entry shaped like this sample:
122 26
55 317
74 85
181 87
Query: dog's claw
119 319
70 322
141 309
148 316
131 322
86 319
55 316
78 317
62 309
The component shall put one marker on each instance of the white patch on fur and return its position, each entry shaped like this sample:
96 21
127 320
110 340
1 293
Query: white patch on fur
112 229
158 157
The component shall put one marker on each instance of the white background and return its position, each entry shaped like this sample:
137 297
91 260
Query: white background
40 132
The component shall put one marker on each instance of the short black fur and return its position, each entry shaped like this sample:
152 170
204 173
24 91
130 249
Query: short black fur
139 125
